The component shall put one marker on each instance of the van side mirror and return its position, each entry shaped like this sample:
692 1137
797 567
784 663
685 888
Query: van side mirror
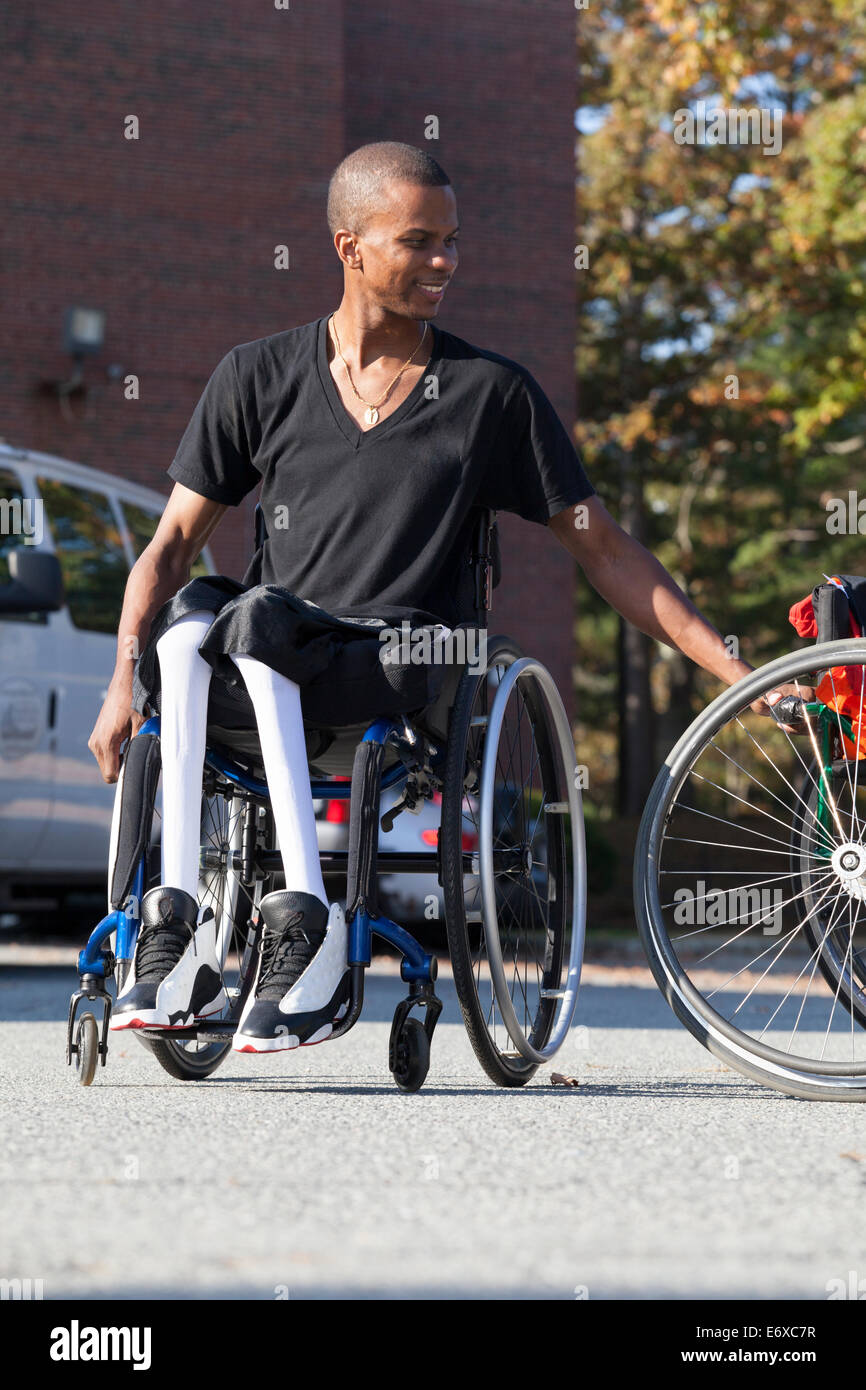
36 585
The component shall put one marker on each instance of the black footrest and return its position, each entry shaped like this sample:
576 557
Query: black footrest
207 1029
219 1028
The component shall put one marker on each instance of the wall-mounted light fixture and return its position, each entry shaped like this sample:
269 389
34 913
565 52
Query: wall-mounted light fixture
83 332
83 336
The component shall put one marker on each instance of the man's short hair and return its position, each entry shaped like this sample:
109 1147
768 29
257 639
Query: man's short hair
355 190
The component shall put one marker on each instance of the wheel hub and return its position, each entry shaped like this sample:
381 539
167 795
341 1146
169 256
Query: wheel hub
516 860
849 863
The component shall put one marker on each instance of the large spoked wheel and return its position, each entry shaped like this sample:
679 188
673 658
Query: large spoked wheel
841 952
234 904
750 876
513 863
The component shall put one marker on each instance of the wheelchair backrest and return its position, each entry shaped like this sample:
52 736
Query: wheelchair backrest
833 611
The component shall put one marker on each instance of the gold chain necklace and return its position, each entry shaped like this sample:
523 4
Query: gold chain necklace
371 414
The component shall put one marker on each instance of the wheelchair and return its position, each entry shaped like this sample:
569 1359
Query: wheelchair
750 867
497 747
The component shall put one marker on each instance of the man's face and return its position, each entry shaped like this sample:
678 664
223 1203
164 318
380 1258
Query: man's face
409 245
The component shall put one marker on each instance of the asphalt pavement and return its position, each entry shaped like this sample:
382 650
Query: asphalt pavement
309 1175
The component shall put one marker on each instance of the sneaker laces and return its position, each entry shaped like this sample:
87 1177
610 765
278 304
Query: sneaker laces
161 945
285 956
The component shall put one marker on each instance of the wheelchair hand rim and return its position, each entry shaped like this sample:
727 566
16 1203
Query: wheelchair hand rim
531 668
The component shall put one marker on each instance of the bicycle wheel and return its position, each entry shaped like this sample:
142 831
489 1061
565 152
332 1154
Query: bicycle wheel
747 889
514 914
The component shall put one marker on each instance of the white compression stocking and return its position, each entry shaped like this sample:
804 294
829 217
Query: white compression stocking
185 679
277 703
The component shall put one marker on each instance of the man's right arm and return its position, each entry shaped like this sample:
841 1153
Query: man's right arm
161 569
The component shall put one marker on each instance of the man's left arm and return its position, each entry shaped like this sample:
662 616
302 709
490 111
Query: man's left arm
634 582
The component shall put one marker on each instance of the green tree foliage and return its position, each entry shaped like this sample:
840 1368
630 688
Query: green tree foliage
722 345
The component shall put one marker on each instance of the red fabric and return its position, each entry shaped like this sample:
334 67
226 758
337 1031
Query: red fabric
802 617
842 689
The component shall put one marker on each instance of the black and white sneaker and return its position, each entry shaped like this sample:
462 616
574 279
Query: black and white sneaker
174 978
301 987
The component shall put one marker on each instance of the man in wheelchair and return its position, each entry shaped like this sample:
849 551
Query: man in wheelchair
375 436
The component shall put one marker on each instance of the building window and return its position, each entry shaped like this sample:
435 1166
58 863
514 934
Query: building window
12 515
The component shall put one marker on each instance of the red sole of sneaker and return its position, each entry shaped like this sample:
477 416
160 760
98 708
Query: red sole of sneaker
161 1027
139 1023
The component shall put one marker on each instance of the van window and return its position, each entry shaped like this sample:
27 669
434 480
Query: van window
90 552
142 523
15 521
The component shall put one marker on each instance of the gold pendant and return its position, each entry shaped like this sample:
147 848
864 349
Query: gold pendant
371 415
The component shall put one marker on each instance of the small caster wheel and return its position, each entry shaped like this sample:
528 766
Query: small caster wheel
87 1043
412 1061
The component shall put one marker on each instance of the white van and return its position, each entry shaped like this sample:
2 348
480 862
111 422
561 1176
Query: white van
56 662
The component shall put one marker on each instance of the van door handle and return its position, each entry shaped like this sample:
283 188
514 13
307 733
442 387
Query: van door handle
52 708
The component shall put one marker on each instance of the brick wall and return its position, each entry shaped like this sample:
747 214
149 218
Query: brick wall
240 110
244 111
500 75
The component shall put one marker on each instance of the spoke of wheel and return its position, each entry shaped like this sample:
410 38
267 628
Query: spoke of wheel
795 750
489 1017
702 897
814 957
684 936
743 802
507 748
750 964
522 986
831 800
835 1001
777 769
713 872
720 844
515 961
745 829
852 923
512 946
748 928
530 888
517 795
756 780
783 946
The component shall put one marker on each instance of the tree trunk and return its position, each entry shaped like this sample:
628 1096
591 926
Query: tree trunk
636 718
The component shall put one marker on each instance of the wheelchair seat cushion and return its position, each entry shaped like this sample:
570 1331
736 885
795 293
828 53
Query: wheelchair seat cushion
336 660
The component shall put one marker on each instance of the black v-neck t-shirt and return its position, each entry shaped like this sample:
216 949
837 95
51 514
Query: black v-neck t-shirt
365 521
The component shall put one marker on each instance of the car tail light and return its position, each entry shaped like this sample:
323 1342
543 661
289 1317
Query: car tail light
338 808
468 839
